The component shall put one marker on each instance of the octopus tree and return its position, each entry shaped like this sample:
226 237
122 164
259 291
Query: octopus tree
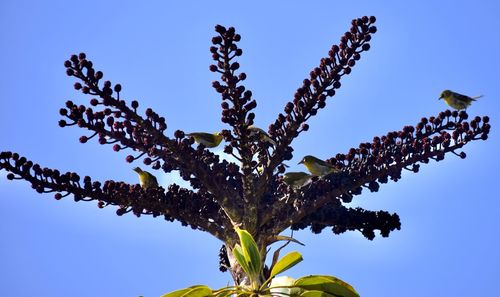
250 195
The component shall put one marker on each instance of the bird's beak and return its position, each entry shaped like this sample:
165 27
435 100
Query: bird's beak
301 162
440 98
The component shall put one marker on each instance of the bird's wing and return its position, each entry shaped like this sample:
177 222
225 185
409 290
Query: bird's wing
324 163
267 138
463 98
152 178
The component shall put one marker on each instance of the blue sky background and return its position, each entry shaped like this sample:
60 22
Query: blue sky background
448 244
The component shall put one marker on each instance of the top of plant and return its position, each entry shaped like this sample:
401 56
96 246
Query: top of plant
249 194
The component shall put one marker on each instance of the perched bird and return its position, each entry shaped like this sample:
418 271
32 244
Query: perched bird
263 136
321 168
317 167
296 179
260 169
207 139
456 100
146 179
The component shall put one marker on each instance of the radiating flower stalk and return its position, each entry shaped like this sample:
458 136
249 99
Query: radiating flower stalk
251 194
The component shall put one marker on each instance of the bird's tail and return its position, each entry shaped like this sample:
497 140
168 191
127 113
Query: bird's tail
270 140
476 97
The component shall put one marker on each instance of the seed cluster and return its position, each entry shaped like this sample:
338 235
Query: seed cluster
374 163
173 203
342 219
321 84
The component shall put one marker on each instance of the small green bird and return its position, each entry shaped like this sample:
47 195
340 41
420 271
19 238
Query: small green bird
263 136
317 166
207 139
296 179
146 179
456 100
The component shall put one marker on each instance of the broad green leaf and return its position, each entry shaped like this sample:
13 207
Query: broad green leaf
281 286
326 283
250 251
314 293
193 291
338 280
238 254
288 261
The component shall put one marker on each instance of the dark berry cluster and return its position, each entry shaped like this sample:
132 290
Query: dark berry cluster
251 194
174 203
342 219
223 259
322 82
237 105
112 121
237 101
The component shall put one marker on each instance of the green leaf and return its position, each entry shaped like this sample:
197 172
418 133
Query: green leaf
288 261
250 251
328 284
341 282
281 286
226 292
314 293
238 254
193 291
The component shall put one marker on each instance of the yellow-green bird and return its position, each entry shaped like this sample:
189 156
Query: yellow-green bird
296 179
456 100
146 179
207 139
317 166
263 136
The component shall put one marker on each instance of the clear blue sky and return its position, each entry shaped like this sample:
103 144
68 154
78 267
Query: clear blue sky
448 244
